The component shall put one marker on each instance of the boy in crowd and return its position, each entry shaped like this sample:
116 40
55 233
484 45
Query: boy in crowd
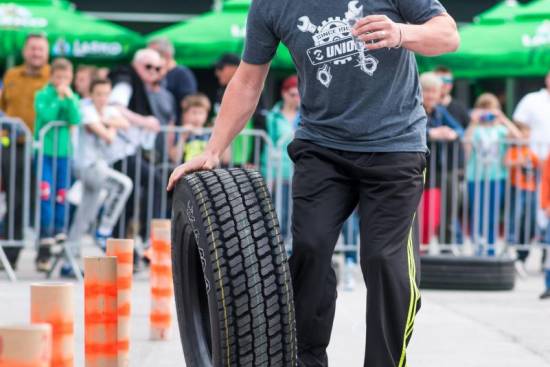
195 109
83 80
523 164
98 146
55 102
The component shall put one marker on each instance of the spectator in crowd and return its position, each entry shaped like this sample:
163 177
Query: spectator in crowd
443 132
282 121
523 164
454 107
55 102
178 79
102 73
163 106
486 173
99 145
196 109
17 100
83 80
130 93
243 149
533 110
545 205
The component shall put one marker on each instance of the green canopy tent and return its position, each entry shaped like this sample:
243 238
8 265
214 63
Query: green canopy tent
504 50
200 41
502 12
536 10
71 34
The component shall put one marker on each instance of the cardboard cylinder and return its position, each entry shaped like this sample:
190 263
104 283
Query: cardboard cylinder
160 224
100 311
53 303
26 346
162 289
123 250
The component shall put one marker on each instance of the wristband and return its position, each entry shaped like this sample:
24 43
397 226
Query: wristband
400 43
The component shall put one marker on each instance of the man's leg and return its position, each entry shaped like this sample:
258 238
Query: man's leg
92 179
391 187
323 197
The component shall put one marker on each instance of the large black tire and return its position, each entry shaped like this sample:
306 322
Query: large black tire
232 282
467 273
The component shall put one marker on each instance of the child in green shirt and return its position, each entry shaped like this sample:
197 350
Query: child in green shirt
55 102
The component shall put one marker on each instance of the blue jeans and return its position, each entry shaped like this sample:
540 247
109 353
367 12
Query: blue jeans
53 208
523 215
485 223
351 234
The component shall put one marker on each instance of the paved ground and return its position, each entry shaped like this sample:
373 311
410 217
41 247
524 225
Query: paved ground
453 329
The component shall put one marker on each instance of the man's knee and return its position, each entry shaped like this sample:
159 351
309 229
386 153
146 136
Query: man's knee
313 244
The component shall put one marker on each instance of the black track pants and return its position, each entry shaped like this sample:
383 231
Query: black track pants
327 185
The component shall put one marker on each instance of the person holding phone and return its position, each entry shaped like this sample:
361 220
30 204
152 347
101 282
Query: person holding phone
485 146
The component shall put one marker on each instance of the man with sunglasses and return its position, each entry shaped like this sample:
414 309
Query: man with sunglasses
361 140
456 108
134 90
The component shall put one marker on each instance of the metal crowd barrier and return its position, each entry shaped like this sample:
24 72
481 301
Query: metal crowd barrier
471 203
15 177
482 199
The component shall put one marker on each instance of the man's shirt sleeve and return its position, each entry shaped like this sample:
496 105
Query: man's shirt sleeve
261 42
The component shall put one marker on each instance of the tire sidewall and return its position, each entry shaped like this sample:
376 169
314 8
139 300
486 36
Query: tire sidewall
189 213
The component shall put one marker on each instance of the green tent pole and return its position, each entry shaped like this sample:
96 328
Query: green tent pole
510 95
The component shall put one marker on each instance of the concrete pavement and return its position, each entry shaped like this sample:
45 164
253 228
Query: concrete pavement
453 329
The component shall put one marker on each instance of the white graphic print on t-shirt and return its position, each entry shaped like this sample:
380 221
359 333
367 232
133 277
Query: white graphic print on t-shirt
335 45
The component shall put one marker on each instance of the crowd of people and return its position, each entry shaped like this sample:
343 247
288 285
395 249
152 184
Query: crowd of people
487 168
111 123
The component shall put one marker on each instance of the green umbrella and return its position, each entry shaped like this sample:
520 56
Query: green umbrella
504 50
504 11
537 10
200 41
71 34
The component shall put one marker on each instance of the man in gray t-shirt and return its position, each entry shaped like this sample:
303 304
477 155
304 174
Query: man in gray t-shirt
361 141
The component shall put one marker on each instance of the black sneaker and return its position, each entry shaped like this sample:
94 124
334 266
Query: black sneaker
44 257
545 295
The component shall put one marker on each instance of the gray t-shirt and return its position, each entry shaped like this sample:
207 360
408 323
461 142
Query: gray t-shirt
352 100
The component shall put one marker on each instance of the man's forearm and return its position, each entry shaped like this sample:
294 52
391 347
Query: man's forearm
239 103
435 37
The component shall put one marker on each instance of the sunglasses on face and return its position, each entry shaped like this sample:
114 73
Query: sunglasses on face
447 80
150 67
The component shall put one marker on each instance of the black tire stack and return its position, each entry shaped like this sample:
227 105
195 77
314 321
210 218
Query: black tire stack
232 282
467 273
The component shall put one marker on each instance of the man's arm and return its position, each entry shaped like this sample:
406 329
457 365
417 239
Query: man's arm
238 105
437 36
